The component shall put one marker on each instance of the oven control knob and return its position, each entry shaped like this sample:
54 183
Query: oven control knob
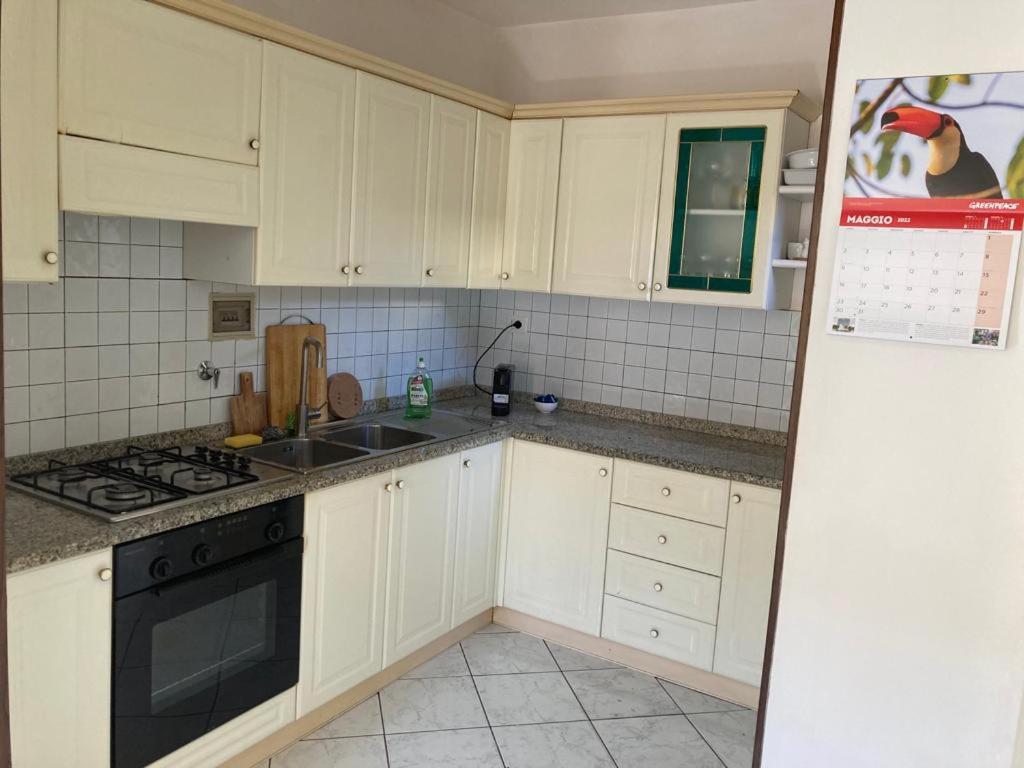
162 568
275 532
202 555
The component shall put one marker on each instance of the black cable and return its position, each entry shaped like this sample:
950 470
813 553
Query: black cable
514 324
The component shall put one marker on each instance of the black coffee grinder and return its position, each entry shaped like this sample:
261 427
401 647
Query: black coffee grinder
501 383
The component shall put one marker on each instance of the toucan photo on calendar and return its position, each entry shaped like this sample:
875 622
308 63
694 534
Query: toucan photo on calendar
942 136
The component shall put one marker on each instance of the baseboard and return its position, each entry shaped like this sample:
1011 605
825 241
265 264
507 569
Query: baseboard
698 679
285 737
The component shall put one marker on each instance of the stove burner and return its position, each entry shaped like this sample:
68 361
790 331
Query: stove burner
70 475
125 492
203 474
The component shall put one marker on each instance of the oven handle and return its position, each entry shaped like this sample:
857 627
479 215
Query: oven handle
283 551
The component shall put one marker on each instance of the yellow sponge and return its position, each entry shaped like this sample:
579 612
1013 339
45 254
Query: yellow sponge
242 441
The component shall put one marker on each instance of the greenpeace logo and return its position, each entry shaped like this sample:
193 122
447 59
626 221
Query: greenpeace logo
996 206
875 220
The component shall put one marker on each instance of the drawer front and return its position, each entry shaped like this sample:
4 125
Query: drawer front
671 492
663 634
666 587
667 539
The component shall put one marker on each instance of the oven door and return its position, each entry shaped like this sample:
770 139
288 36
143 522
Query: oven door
192 654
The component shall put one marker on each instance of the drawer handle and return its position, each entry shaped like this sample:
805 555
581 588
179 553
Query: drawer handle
666 491
663 539
736 498
360 270
106 574
389 487
657 586
504 275
50 257
655 633
430 272
467 463
254 143
400 484
642 286
346 269
602 472
657 286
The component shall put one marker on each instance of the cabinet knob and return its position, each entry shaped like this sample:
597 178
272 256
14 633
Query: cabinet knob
657 286
602 472
504 275
50 257
430 272
106 574
736 498
400 484
666 491
389 487
657 586
642 286
655 633
467 463
255 143
360 270
346 269
663 539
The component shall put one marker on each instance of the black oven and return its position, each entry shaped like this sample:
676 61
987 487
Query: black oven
206 627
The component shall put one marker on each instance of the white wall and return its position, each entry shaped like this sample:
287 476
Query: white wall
901 630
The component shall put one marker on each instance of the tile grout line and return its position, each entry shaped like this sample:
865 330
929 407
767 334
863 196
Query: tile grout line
695 728
383 730
587 714
479 698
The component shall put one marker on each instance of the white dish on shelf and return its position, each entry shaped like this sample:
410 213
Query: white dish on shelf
799 176
802 159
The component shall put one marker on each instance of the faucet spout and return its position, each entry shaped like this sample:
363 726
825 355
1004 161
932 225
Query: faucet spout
305 412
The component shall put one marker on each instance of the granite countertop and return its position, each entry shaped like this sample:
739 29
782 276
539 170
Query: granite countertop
40 532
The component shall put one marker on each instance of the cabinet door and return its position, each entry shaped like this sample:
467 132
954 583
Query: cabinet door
557 535
135 73
490 180
718 194
421 563
476 540
305 169
343 585
449 193
28 153
534 150
747 582
59 639
608 206
390 188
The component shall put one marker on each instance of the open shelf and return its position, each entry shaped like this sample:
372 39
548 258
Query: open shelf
790 263
803 193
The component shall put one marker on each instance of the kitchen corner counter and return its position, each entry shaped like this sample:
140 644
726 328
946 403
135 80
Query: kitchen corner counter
40 532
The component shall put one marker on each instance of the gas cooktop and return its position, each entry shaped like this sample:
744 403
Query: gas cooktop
143 481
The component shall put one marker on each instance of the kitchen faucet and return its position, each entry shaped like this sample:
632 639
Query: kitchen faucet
305 412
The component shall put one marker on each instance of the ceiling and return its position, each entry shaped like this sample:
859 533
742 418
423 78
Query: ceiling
516 13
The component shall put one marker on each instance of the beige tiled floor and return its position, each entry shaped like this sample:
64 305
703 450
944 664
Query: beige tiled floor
501 699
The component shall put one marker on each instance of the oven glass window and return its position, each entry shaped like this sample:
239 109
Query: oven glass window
200 649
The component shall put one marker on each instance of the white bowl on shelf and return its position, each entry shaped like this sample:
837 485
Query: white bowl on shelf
802 159
799 177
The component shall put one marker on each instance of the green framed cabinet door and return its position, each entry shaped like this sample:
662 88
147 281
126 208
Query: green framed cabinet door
719 223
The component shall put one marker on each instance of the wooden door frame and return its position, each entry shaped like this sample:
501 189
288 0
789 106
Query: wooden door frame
5 712
798 378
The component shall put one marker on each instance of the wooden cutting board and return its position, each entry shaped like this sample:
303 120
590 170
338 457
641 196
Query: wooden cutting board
284 365
344 395
248 409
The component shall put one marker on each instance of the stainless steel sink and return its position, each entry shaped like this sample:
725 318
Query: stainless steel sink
375 437
303 455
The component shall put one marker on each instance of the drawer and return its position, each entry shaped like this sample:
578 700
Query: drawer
666 587
668 539
663 634
671 492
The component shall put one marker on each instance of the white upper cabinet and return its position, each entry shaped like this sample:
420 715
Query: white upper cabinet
476 540
608 206
449 193
343 583
422 555
28 152
135 73
308 119
58 649
390 186
489 191
747 582
534 152
557 535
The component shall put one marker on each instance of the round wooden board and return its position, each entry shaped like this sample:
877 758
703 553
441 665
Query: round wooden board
344 395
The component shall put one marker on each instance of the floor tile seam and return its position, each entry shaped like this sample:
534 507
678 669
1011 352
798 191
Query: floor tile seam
694 726
480 698
383 730
590 720
733 706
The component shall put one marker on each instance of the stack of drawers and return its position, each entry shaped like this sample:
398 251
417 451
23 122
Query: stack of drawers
666 542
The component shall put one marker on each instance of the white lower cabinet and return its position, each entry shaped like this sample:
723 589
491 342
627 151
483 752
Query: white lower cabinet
659 632
747 582
58 645
343 587
476 538
557 535
421 559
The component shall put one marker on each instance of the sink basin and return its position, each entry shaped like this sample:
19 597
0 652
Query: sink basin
376 437
303 455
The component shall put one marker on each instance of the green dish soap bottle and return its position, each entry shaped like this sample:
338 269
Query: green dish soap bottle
420 391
